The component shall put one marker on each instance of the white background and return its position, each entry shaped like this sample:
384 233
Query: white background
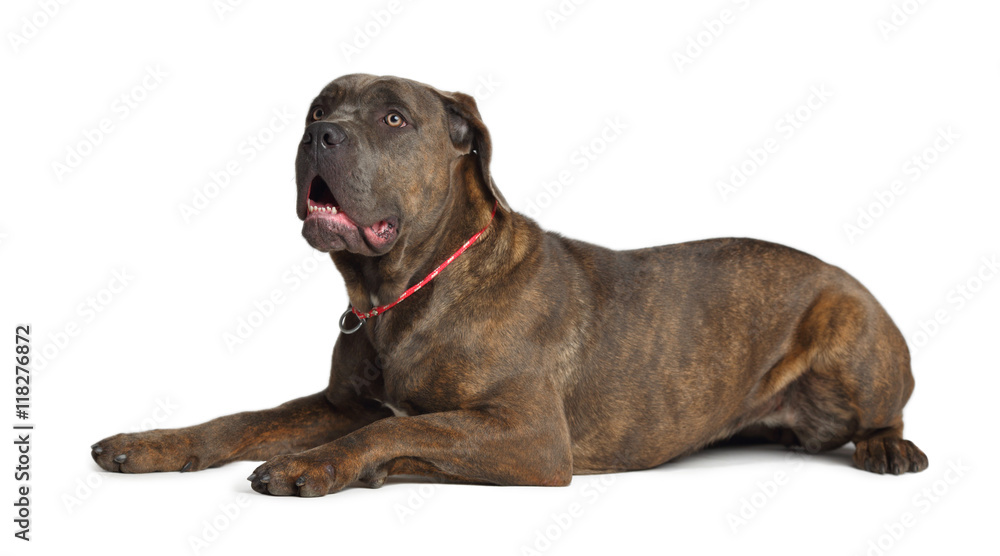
155 354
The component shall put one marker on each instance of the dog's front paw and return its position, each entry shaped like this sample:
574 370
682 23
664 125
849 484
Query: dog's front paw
315 472
149 451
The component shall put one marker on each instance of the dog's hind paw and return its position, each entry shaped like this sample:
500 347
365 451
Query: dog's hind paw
889 454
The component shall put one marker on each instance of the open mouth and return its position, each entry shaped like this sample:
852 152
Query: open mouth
321 199
326 218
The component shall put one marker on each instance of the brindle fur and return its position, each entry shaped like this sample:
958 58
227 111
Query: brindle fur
534 357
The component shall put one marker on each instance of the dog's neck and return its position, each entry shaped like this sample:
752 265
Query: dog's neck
374 281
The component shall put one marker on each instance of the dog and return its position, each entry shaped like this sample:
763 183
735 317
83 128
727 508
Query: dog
478 348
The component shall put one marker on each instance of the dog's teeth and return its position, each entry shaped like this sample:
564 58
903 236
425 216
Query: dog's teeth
317 208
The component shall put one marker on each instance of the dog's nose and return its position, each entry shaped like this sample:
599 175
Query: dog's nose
326 134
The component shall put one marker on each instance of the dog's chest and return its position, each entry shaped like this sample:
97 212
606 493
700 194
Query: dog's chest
421 385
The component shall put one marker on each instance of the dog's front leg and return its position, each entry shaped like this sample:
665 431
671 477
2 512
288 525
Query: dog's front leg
253 435
494 446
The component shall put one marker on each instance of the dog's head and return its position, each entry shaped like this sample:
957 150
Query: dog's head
376 161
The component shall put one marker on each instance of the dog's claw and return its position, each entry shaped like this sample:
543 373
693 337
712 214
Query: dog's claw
252 477
120 458
97 449
265 478
300 481
186 467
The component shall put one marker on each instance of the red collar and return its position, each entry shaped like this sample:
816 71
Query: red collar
383 308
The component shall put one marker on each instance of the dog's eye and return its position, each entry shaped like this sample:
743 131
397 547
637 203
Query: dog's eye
394 119
317 114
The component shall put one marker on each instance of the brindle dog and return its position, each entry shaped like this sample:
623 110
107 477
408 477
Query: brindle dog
504 369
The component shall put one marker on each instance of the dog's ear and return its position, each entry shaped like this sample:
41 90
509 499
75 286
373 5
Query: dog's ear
469 134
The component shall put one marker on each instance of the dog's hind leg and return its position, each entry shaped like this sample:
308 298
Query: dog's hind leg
857 384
